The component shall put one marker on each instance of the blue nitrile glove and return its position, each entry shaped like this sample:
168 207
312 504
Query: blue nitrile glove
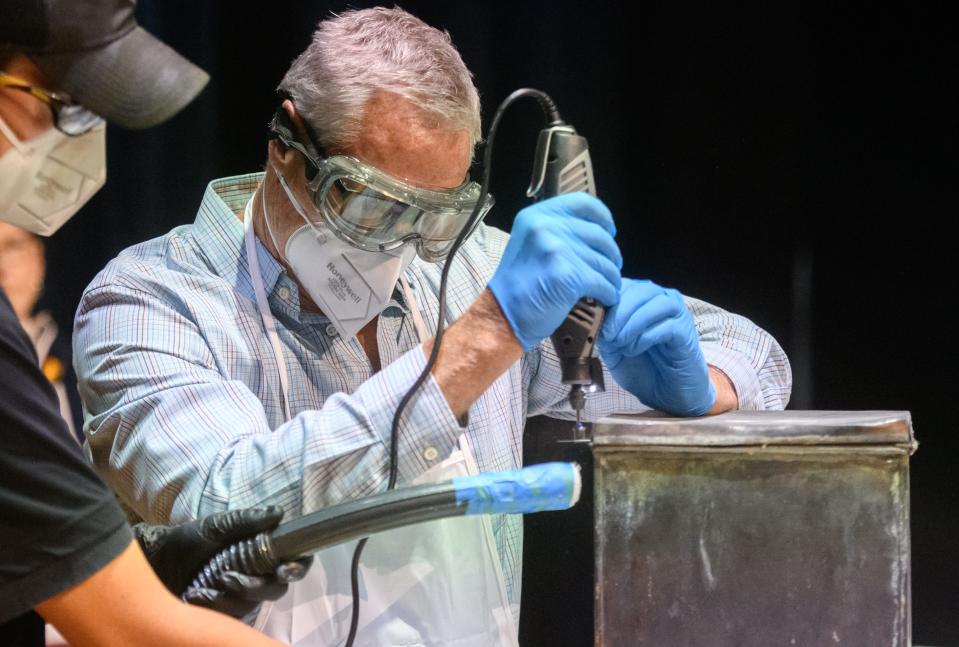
650 345
560 250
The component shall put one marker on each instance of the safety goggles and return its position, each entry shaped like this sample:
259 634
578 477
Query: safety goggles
69 118
378 212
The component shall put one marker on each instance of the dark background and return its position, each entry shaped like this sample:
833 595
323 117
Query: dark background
792 163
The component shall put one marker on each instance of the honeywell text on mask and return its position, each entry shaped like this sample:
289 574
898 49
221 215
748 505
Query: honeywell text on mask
339 286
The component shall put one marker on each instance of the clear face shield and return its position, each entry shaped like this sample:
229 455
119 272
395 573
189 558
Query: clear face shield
375 211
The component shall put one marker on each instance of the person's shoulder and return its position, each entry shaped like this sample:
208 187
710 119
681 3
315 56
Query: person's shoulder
483 250
195 256
144 265
477 258
489 241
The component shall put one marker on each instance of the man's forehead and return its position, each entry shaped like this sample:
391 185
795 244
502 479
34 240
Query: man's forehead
390 119
404 140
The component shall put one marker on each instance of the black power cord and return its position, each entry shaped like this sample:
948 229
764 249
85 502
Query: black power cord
552 114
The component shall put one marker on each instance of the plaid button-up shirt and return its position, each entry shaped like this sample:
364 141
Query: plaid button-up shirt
184 412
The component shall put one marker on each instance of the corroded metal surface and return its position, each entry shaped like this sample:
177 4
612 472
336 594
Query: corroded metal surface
758 428
765 544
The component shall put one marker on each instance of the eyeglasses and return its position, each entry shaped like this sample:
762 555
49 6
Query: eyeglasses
69 118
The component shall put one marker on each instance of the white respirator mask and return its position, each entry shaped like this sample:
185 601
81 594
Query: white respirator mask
45 180
350 285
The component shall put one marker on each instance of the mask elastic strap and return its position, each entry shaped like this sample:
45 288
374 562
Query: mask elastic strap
421 331
12 138
269 226
262 304
292 198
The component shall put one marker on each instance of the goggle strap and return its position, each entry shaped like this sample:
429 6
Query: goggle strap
281 126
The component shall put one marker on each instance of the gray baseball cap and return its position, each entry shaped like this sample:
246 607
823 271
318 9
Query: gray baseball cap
95 51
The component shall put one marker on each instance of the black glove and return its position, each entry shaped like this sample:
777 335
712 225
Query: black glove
178 553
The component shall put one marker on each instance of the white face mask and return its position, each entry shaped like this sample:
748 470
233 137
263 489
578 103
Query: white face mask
45 180
350 285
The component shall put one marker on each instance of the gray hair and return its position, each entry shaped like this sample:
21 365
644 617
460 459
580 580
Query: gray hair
359 52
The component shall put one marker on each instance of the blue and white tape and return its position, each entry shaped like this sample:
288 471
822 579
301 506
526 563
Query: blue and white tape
548 486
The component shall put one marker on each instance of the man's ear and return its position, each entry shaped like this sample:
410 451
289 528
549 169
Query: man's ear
299 126
280 156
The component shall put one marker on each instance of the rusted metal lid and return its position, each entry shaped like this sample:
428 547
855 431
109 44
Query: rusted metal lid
758 428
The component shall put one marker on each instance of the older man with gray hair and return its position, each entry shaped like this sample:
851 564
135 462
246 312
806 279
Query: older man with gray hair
259 355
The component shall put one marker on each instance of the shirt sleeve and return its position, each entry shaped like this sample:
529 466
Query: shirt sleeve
59 524
749 356
753 360
181 441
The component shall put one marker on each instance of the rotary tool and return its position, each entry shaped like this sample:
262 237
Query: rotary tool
562 165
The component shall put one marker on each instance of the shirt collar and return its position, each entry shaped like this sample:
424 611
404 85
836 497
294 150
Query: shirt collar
219 234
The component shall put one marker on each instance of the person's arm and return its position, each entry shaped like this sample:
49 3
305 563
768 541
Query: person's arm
753 361
726 399
475 350
178 553
180 436
125 604
746 366
481 345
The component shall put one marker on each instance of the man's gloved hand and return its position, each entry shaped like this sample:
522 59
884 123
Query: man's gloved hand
560 250
650 345
178 553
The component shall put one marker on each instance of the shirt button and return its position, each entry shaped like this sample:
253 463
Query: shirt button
284 292
430 453
331 330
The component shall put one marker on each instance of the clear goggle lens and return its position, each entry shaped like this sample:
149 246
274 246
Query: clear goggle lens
376 220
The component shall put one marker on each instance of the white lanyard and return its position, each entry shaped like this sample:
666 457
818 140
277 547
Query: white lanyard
421 331
263 305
